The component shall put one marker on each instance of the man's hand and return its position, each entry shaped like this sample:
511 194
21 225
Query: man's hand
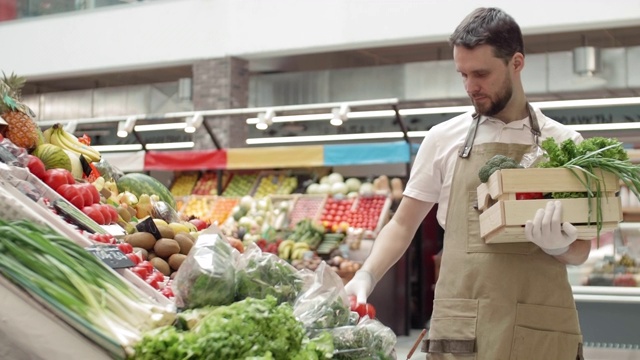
549 232
361 286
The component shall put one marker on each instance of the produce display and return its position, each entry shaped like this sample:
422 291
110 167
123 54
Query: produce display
207 184
184 184
240 185
232 291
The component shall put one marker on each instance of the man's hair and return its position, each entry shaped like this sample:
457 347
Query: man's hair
490 26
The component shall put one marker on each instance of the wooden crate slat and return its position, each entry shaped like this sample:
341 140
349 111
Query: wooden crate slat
515 234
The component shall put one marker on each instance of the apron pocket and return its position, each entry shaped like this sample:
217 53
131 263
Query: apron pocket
453 327
546 332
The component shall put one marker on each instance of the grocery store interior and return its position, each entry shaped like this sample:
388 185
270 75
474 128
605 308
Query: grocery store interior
305 102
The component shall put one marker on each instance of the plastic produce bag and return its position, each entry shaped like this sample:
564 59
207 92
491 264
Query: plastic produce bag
207 275
532 157
108 171
324 305
369 339
259 274
164 211
13 155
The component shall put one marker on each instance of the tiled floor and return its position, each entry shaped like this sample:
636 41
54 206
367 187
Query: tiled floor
405 343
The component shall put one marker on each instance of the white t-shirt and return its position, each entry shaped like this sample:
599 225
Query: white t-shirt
432 171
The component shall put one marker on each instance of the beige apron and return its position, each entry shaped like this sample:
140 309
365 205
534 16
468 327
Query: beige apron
499 301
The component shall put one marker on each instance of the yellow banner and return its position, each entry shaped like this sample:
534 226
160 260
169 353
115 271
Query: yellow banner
275 157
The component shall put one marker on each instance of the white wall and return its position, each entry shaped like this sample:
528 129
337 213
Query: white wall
160 33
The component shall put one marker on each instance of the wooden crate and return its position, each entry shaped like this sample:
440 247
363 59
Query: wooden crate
503 217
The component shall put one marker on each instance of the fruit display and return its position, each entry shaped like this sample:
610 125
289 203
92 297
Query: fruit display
22 130
287 186
306 207
240 185
56 135
52 156
268 184
221 209
138 184
207 184
199 206
184 184
368 211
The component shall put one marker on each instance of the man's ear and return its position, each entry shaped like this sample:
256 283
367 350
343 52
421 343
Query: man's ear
517 61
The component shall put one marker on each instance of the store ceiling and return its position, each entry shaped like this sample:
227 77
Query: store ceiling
603 38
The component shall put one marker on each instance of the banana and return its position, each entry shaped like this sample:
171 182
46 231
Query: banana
47 135
301 245
68 141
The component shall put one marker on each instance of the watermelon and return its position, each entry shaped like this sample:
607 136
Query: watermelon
53 157
138 184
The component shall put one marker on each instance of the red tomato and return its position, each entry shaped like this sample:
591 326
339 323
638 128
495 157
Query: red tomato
366 310
125 248
158 276
153 282
95 195
68 191
86 195
106 214
94 214
529 196
148 265
113 212
141 271
56 177
36 167
134 258
167 292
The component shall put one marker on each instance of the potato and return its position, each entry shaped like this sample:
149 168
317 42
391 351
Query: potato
161 265
185 242
166 247
143 240
176 260
166 232
143 252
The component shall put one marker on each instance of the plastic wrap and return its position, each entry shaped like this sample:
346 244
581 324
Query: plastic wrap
162 210
259 274
207 275
324 305
13 155
108 171
532 157
369 339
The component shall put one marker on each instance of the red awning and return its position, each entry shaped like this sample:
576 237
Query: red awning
185 160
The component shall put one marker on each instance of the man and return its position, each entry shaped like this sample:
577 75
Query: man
497 301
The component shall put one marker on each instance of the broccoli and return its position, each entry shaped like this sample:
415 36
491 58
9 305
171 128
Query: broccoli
496 163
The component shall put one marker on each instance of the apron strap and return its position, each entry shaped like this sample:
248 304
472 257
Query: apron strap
473 129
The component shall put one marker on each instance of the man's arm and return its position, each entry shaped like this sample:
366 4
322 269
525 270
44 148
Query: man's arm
577 254
395 237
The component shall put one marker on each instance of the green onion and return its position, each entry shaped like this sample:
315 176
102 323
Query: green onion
38 259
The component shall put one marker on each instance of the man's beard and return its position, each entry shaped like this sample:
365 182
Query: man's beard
499 104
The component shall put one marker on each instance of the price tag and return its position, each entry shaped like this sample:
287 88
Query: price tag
147 225
110 255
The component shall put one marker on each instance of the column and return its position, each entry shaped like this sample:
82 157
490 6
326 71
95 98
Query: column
221 84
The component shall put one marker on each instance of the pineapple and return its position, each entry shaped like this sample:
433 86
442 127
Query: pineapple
21 129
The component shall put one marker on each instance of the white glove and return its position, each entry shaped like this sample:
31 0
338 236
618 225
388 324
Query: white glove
361 285
549 232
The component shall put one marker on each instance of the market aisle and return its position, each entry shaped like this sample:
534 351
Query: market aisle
405 343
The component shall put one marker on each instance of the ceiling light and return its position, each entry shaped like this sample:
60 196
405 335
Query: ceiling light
71 126
171 145
605 127
158 127
340 115
109 148
293 118
125 127
193 123
265 119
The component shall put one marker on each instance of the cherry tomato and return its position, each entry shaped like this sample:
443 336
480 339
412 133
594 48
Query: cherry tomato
366 310
134 258
153 282
147 265
141 271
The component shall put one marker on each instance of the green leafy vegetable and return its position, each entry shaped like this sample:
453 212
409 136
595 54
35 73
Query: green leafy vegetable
247 329
265 274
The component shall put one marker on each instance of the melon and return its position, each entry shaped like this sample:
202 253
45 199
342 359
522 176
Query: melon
53 157
138 184
76 165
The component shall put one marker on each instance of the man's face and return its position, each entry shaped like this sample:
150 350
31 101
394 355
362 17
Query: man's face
486 78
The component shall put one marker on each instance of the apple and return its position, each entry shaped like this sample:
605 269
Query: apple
199 224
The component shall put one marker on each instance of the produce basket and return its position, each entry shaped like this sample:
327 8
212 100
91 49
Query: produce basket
503 216
184 183
199 206
207 184
221 209
240 184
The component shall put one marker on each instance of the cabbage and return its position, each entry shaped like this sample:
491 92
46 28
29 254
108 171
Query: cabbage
324 189
339 188
313 188
366 189
353 184
335 178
